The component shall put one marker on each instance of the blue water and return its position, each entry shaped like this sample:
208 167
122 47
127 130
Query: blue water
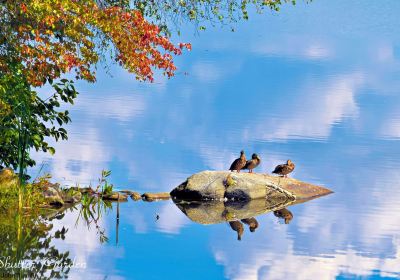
318 83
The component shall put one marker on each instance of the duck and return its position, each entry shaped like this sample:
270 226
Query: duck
284 169
253 163
284 214
251 222
238 163
238 227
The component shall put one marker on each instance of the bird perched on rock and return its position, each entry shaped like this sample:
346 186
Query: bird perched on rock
284 169
253 163
238 163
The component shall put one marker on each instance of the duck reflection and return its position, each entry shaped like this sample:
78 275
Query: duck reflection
284 214
252 223
238 227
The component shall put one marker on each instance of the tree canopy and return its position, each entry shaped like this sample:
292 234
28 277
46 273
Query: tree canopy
52 37
169 14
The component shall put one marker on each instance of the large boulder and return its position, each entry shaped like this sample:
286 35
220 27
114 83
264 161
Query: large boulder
211 197
209 185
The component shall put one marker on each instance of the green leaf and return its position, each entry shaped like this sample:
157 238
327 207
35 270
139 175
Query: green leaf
51 150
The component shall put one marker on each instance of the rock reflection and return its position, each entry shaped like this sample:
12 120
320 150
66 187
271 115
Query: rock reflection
214 212
237 214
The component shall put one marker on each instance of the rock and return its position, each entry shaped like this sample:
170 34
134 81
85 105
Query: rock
208 185
52 194
72 196
136 196
115 196
87 190
127 192
156 196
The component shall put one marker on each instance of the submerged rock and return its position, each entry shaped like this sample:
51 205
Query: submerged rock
115 196
136 196
155 196
211 185
127 192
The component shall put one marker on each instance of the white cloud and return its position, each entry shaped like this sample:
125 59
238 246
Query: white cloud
206 71
314 112
293 46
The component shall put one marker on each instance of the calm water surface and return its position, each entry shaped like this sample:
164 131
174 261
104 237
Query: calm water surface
316 83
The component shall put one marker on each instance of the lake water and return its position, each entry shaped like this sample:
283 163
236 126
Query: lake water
318 83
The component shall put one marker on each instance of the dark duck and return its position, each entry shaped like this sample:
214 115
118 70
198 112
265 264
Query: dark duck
238 163
284 169
253 163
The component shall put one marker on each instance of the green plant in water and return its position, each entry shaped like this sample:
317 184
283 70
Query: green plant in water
93 206
106 188
92 210
10 192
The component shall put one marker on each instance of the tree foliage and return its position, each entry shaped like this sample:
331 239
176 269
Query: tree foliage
53 37
171 14
26 119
